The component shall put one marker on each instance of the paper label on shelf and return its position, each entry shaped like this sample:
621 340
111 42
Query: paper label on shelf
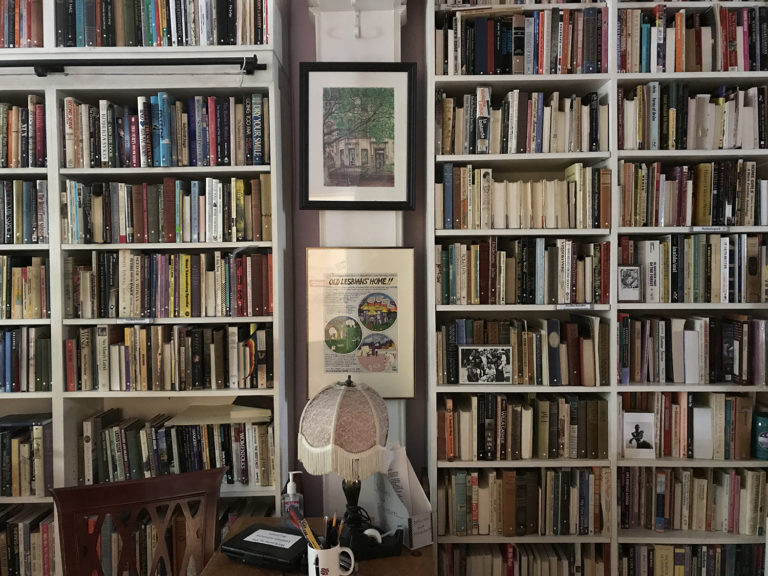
587 306
134 320
276 539
709 229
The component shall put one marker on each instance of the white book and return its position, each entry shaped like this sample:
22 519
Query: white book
670 47
691 356
499 210
702 432
513 204
102 357
546 127
115 355
232 354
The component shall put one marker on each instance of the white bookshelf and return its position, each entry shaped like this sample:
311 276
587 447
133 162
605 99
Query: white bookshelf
123 84
519 166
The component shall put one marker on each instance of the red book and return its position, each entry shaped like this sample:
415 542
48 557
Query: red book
733 55
256 282
40 135
69 356
169 209
270 306
134 141
266 293
98 23
212 130
542 39
137 206
667 424
490 46
564 62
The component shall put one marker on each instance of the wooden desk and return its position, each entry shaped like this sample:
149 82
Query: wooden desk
419 561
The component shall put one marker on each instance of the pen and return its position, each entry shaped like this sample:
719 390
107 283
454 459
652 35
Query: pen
326 532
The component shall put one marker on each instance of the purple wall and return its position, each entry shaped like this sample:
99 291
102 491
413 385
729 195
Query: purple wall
305 229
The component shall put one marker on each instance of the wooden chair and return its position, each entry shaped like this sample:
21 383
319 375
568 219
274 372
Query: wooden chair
163 501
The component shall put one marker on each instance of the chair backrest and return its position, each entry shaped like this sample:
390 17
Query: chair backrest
176 514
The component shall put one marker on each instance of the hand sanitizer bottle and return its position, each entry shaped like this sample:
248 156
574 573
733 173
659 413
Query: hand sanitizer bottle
291 498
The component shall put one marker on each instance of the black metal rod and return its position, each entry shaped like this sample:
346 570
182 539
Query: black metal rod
42 67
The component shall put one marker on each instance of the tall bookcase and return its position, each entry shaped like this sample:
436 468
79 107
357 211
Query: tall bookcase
122 85
619 396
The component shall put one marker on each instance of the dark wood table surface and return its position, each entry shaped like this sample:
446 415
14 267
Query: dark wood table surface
417 562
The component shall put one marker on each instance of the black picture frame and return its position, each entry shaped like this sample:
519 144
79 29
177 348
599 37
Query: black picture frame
333 163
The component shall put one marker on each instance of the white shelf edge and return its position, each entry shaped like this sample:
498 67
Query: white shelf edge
534 463
244 245
25 395
445 232
531 539
568 157
219 393
25 322
687 463
522 308
642 536
162 171
517 389
150 321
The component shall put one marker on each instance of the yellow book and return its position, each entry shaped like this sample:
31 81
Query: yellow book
17 293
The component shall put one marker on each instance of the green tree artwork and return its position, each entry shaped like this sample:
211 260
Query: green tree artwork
359 136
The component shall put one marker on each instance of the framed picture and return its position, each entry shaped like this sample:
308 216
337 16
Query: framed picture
485 364
629 283
360 318
357 133
639 433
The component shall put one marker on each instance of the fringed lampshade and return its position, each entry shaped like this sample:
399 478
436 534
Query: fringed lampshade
343 429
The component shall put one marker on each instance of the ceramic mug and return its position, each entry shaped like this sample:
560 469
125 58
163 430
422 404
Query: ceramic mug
330 561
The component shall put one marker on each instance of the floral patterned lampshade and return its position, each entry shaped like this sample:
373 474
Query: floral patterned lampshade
343 429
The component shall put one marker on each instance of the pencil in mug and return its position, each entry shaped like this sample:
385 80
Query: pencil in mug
303 525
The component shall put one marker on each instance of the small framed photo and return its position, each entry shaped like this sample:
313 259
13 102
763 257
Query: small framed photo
629 283
485 364
639 433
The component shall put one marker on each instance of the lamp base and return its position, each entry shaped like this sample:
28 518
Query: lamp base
357 521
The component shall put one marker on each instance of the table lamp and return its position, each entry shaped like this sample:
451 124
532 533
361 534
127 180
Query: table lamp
343 429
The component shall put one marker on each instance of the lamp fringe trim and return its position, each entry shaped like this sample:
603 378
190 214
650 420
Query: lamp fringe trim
319 461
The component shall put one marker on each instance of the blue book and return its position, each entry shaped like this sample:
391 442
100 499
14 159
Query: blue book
448 195
539 121
79 23
8 382
191 130
645 49
164 126
203 158
481 50
5 385
553 347
536 42
257 115
126 159
445 283
29 212
461 332
155 132
539 270
194 198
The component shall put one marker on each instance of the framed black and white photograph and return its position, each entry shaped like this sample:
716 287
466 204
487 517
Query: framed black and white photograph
356 134
485 364
639 433
629 283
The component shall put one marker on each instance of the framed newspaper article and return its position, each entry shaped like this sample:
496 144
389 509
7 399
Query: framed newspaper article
360 318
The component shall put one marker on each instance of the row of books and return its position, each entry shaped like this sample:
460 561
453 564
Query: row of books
708 425
716 268
124 284
25 287
525 270
139 358
532 352
25 359
165 130
665 116
468 198
233 210
28 539
547 502
162 23
23 211
719 193
26 453
557 41
728 500
693 350
201 438
522 123
22 133
719 39
22 24
523 559
657 559
492 426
